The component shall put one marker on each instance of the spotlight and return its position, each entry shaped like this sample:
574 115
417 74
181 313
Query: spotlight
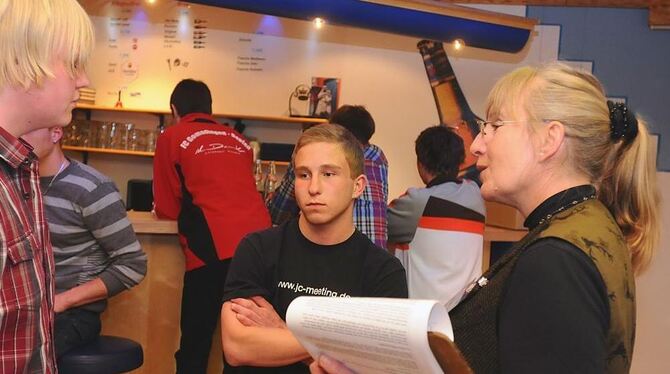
459 44
319 22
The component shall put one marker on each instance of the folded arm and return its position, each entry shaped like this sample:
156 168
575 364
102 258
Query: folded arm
248 339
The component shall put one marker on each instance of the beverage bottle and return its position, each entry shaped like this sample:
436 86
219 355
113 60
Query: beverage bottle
270 180
256 149
452 107
258 175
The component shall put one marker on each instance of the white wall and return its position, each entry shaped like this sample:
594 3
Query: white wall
381 71
652 344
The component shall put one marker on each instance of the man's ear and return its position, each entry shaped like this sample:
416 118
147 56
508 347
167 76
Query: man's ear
553 138
55 134
359 185
175 114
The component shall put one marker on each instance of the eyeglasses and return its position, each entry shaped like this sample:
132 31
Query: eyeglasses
493 125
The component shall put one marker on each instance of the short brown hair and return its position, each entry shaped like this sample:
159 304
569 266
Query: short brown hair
336 134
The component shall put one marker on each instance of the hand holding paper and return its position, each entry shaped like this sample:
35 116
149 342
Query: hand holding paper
370 335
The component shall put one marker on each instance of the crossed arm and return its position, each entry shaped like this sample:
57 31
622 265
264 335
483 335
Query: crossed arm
253 334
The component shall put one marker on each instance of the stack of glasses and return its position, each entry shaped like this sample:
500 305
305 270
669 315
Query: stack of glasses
110 135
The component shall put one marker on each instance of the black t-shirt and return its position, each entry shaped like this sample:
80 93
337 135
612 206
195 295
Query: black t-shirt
281 264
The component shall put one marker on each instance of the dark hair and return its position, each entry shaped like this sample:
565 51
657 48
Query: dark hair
440 150
356 119
191 96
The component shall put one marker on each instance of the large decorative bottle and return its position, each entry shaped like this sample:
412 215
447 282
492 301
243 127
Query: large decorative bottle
452 107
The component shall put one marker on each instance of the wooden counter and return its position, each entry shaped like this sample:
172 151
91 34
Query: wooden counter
149 313
498 234
147 223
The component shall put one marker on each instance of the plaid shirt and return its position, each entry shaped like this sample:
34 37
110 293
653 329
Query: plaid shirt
26 265
369 208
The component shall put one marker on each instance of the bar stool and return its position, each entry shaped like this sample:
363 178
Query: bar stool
106 355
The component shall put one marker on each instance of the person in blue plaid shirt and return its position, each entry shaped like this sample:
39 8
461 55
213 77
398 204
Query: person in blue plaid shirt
370 207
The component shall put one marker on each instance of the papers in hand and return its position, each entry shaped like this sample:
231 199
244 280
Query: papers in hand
370 335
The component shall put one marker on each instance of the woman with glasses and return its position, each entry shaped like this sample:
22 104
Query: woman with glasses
580 169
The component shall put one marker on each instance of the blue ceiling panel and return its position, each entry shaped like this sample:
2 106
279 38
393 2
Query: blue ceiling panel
390 19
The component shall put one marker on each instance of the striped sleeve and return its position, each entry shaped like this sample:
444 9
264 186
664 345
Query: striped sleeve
105 217
403 216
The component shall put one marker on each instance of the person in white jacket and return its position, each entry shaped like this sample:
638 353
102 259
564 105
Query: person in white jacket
437 231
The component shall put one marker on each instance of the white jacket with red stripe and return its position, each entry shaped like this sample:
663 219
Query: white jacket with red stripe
438 233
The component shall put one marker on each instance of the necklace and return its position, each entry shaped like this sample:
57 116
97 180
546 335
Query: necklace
62 166
564 207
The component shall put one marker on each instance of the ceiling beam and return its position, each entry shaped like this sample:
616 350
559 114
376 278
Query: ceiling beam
659 10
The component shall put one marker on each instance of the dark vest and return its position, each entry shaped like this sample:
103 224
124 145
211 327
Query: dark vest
588 226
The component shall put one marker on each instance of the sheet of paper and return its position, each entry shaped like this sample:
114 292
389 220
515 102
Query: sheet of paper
370 335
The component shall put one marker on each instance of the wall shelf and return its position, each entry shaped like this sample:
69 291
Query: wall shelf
136 153
87 109
108 151
248 117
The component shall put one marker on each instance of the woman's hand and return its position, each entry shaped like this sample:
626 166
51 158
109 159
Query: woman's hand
327 365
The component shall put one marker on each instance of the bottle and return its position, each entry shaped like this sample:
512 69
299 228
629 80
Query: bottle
452 107
270 180
258 175
256 149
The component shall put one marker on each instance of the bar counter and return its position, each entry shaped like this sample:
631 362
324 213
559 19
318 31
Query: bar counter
149 313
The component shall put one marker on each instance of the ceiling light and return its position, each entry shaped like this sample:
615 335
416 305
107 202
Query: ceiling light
459 44
319 22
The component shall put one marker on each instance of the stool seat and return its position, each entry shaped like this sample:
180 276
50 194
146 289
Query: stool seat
105 355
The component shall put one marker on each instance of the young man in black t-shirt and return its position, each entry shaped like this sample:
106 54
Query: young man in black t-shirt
318 254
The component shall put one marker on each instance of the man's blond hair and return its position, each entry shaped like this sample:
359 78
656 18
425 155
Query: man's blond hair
335 134
34 33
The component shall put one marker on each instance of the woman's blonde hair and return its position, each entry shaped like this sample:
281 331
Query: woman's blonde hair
336 134
34 33
623 169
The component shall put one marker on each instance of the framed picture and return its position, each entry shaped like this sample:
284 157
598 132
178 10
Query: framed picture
323 96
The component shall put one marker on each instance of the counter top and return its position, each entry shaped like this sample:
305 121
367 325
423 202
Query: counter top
500 234
147 223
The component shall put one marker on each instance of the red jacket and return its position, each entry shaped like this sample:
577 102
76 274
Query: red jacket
203 179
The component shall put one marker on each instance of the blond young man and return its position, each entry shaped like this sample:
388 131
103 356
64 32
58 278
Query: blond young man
320 253
44 45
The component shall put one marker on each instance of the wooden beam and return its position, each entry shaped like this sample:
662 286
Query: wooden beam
659 10
659 15
567 3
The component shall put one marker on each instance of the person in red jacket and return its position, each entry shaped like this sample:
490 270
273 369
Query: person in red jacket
203 179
